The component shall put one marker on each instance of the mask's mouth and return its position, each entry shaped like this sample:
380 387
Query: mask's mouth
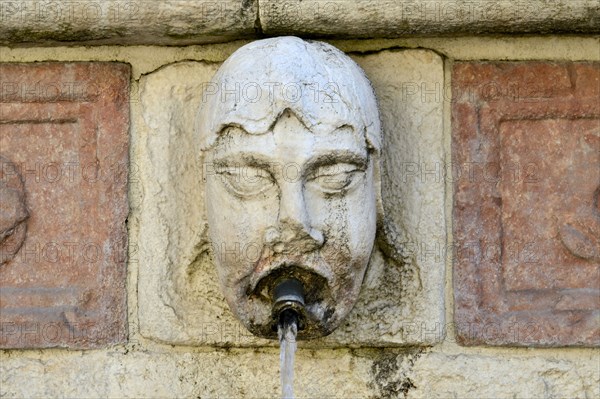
298 293
315 287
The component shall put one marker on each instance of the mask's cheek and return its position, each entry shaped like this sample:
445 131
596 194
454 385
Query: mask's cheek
347 221
237 229
347 248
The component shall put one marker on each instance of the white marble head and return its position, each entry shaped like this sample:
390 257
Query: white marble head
292 137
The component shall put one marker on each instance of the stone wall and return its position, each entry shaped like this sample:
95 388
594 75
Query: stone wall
434 319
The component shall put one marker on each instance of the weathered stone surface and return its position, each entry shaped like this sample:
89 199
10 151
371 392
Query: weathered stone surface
181 22
144 369
292 177
13 211
64 147
390 18
368 373
495 375
126 22
401 301
526 150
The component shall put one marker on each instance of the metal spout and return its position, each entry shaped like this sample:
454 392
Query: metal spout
288 302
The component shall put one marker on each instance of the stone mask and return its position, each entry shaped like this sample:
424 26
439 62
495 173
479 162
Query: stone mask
291 134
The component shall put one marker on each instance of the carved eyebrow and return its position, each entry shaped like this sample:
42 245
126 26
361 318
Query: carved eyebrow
326 159
244 159
339 156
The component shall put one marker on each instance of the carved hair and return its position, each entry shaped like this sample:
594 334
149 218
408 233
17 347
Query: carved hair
320 84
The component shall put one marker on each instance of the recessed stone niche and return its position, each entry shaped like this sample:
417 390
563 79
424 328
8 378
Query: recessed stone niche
526 136
401 301
64 162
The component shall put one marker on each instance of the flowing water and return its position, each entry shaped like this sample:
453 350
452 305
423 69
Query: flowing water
287 330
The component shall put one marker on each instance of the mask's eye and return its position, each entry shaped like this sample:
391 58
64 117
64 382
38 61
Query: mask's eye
245 181
337 178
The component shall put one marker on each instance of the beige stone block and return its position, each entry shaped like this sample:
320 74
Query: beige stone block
182 22
126 22
339 373
439 375
401 301
391 18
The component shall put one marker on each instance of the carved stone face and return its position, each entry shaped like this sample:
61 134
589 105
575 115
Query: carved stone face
13 211
295 199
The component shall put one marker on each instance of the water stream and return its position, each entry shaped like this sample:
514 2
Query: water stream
287 330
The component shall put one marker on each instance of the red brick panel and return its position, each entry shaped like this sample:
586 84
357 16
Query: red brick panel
526 154
63 187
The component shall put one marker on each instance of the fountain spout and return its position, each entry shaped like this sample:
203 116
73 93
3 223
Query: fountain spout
288 303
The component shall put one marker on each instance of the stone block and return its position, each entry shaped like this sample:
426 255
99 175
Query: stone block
401 301
184 22
63 188
126 22
526 157
339 373
391 18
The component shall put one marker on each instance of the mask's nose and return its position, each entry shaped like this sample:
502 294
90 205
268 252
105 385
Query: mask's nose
294 230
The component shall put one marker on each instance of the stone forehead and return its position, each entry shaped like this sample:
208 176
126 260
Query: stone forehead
320 84
231 135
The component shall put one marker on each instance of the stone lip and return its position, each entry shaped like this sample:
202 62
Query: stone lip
167 22
185 22
390 18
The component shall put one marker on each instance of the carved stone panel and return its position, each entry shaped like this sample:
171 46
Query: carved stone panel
401 300
63 188
526 159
